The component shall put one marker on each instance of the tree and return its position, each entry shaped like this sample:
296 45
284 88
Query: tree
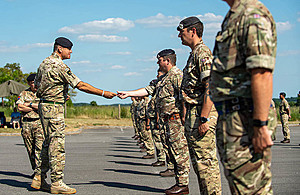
93 103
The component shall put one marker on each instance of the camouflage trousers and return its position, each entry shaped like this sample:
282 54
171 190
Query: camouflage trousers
146 136
169 155
285 127
177 148
160 153
33 136
247 172
134 124
52 118
203 150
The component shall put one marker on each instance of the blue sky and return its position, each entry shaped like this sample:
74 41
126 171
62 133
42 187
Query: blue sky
116 41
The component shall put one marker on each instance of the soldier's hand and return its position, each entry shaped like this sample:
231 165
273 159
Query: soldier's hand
122 94
109 95
182 120
147 127
203 127
261 139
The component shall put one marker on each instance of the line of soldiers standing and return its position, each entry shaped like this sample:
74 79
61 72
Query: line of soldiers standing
225 97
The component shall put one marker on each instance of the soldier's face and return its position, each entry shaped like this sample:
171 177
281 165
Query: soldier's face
162 64
66 53
32 86
185 36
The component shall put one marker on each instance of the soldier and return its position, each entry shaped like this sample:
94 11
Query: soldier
52 80
170 107
132 112
145 134
152 125
273 120
241 89
200 115
33 135
285 114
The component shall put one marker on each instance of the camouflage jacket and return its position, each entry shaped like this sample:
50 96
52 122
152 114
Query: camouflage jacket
52 79
197 68
28 96
151 110
141 108
167 92
247 40
283 107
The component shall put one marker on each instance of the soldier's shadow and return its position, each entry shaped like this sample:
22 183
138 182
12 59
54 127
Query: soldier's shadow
16 183
131 172
12 173
124 186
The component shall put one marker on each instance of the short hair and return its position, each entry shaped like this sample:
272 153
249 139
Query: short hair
55 47
199 28
172 58
283 94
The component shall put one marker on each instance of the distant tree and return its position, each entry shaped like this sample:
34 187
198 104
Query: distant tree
93 103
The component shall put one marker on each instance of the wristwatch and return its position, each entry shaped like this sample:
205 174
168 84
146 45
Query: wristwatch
259 123
203 119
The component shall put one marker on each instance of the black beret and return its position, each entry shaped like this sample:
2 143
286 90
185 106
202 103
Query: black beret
188 22
165 52
31 77
64 42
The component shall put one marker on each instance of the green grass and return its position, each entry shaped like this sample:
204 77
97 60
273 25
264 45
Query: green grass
98 112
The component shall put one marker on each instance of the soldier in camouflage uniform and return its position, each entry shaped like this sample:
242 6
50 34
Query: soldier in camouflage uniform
200 116
273 119
132 112
33 136
152 124
145 134
284 111
52 80
169 106
241 89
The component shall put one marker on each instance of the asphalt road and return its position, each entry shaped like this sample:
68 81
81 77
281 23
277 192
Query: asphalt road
107 161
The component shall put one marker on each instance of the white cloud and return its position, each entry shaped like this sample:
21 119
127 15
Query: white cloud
160 20
152 59
283 26
128 74
23 48
103 38
289 53
125 53
82 62
210 17
117 67
298 19
98 26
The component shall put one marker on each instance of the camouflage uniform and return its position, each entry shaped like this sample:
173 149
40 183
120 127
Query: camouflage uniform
52 80
202 148
33 135
169 106
133 111
273 120
284 117
145 134
247 40
152 115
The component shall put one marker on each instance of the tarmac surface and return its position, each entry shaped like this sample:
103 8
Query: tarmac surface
108 161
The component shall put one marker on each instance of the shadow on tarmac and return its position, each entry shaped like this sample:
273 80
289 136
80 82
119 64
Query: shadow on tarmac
11 173
131 172
124 185
124 150
124 156
130 163
18 184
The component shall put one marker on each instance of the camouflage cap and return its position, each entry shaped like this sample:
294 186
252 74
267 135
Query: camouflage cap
188 22
165 52
64 42
31 77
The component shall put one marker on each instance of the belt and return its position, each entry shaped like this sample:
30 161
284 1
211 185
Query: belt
51 102
172 117
233 105
30 119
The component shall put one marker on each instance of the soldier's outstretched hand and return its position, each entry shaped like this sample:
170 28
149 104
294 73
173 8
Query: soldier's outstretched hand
122 94
109 95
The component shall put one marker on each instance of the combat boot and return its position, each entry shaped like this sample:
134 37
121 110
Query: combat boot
167 173
285 141
40 183
60 187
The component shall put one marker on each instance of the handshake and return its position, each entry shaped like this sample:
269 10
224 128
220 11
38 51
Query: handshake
120 94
